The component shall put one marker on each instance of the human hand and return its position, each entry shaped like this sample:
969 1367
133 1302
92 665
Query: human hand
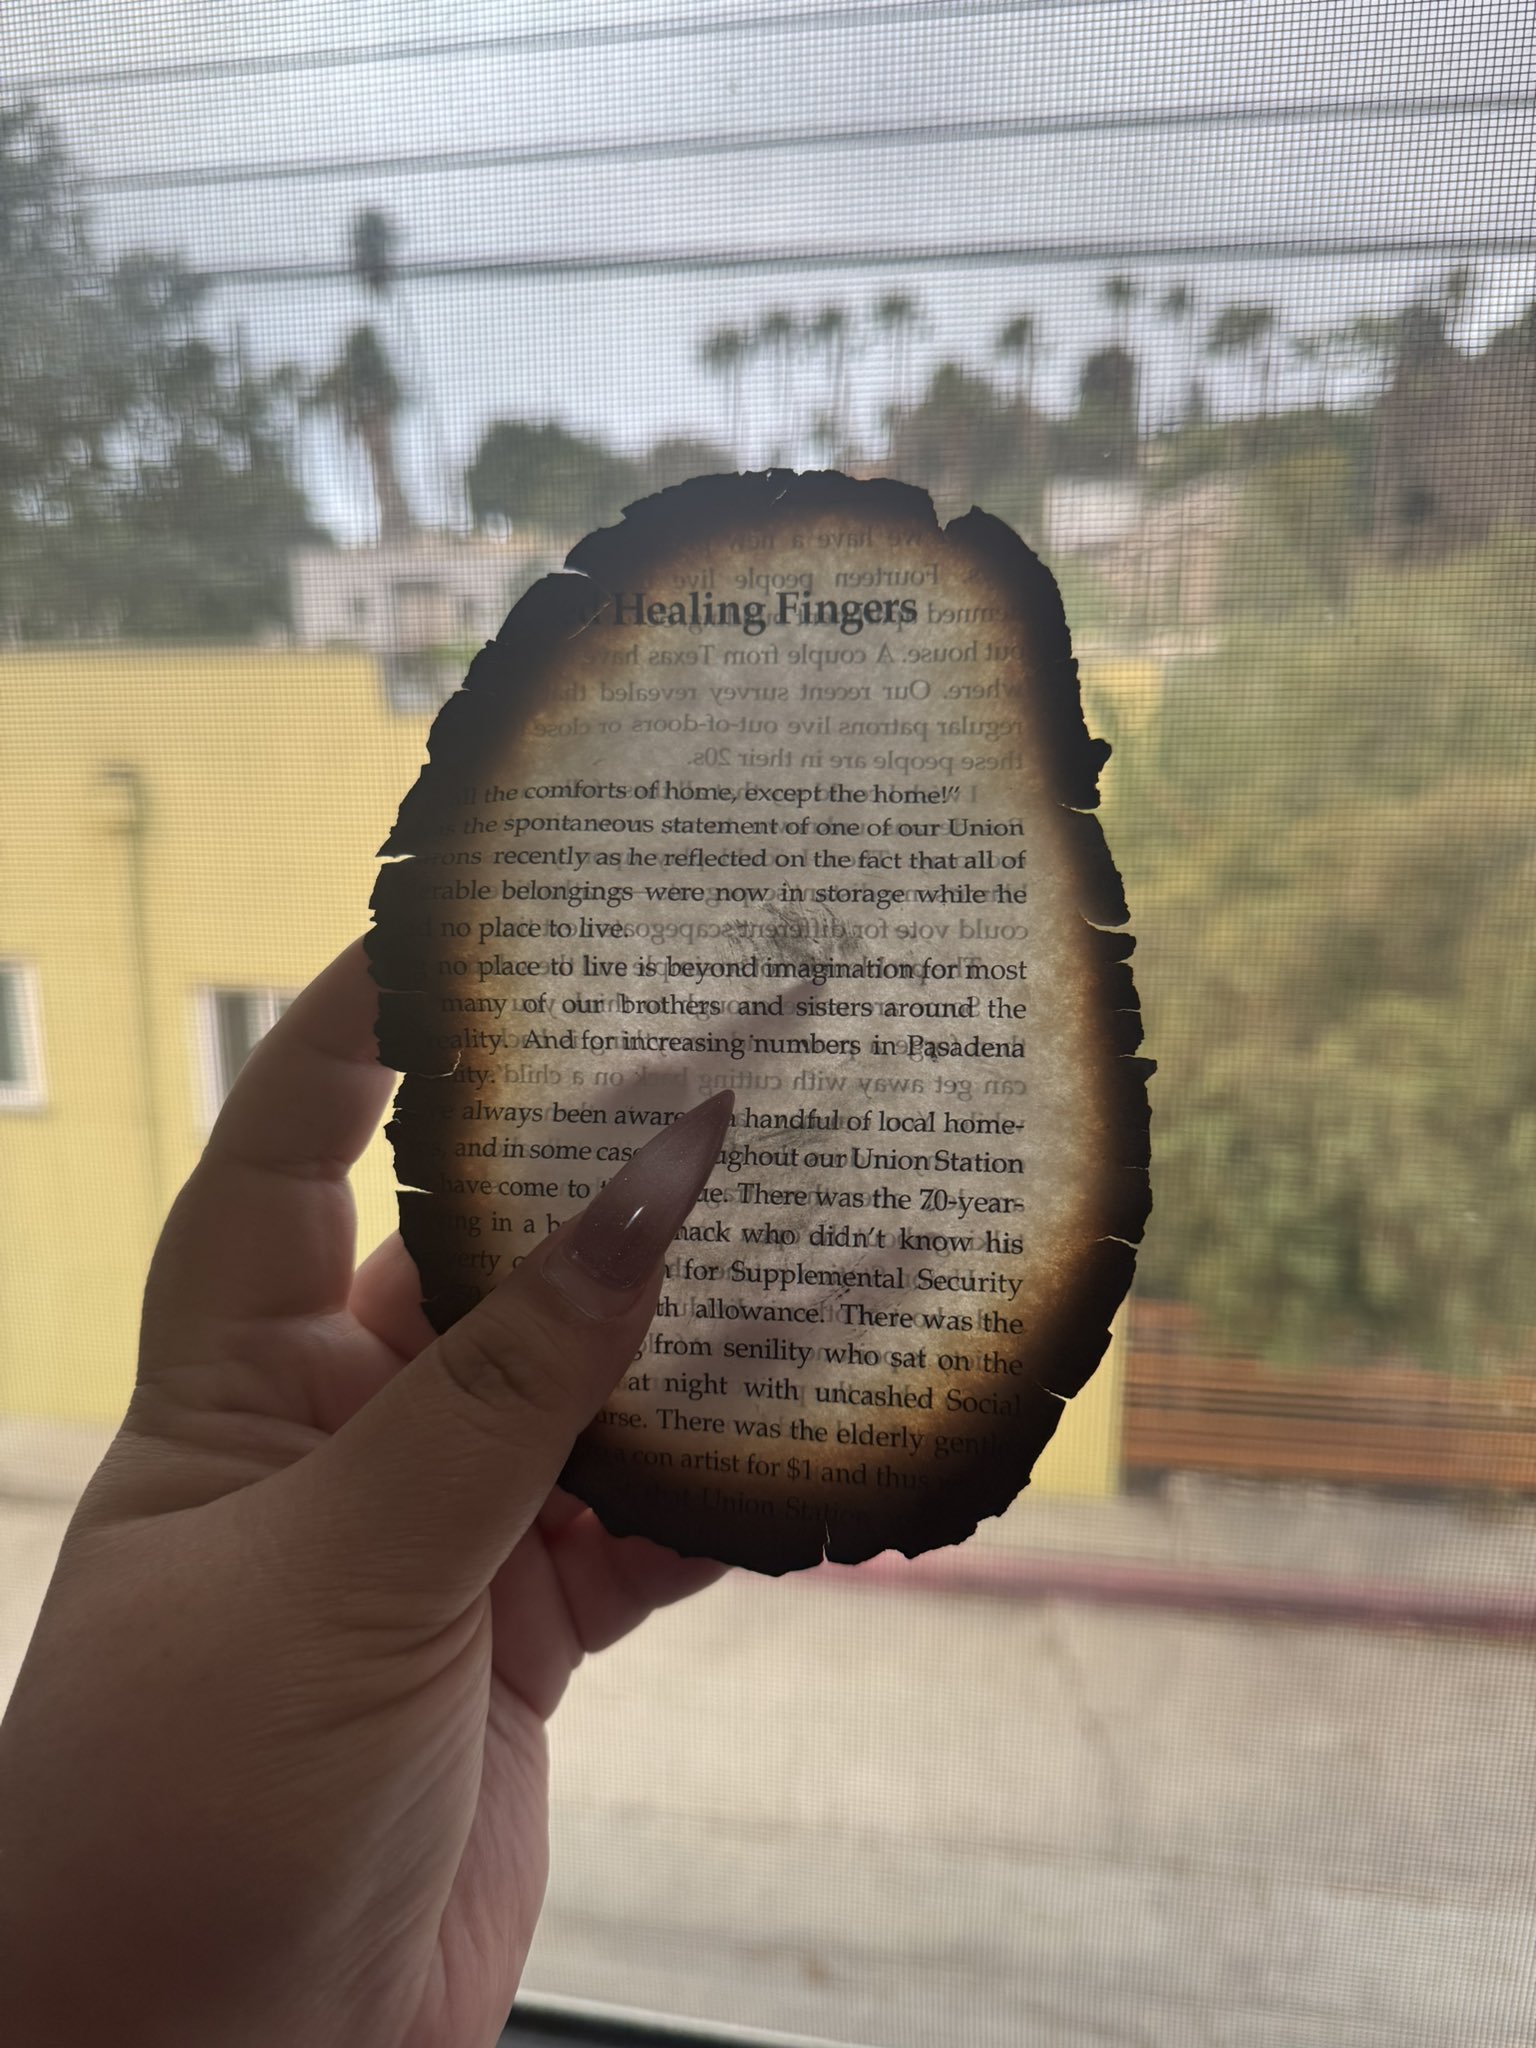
275 1766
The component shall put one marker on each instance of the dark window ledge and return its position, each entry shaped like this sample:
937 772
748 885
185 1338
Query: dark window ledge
557 2022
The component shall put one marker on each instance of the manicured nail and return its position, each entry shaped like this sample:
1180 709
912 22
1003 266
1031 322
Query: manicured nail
623 1235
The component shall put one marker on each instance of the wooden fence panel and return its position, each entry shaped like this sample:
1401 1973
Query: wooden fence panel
1192 1405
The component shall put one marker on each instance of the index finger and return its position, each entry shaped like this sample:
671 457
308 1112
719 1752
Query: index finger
265 1226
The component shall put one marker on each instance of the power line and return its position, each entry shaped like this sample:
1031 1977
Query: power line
935 256
592 35
862 135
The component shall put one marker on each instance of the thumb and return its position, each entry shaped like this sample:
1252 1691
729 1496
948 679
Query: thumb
427 1489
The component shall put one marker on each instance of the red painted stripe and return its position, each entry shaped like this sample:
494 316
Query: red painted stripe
1244 1595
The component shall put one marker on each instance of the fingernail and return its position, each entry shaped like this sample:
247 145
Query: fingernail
620 1239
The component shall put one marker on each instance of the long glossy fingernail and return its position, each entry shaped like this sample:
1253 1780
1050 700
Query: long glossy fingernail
623 1235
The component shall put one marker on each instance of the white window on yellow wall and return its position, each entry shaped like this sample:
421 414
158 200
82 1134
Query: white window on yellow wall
21 1038
230 1024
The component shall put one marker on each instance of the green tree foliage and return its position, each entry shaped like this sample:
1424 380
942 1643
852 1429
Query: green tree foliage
1519 337
544 476
1300 528
59 397
674 460
970 446
1329 839
1339 442
1101 437
146 480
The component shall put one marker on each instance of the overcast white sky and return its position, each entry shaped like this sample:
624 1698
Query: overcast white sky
618 357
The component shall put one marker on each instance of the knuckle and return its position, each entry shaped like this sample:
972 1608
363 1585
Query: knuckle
504 1364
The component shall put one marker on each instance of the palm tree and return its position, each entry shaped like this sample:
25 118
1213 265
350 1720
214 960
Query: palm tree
1371 340
778 335
724 354
1019 340
1177 307
363 395
1246 330
828 334
373 258
827 440
1120 293
1458 288
1314 351
1422 331
375 241
897 316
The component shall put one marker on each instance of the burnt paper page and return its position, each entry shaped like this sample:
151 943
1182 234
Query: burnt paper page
782 788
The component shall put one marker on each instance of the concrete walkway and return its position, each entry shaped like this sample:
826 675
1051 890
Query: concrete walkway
930 1822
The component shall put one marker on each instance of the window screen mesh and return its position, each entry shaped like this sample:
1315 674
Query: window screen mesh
325 329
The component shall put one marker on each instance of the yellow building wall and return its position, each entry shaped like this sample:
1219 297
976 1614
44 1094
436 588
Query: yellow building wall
269 780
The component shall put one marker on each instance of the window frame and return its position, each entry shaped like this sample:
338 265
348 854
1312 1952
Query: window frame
213 1085
29 1092
542 2019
